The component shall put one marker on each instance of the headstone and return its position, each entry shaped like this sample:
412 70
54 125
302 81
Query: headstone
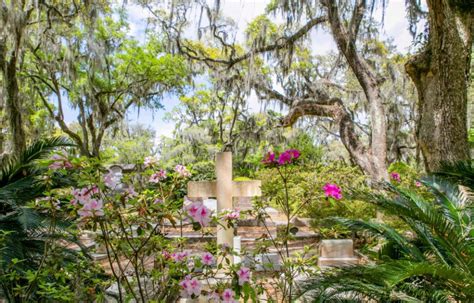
271 211
301 222
337 253
211 204
267 262
224 189
237 249
117 172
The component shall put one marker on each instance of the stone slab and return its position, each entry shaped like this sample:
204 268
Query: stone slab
337 248
337 262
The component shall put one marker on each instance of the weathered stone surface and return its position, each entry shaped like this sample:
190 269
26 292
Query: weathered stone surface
301 222
337 252
198 189
224 189
267 262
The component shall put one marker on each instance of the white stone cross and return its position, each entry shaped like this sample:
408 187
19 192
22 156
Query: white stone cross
224 189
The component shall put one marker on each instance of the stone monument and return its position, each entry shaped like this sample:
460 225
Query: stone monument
224 189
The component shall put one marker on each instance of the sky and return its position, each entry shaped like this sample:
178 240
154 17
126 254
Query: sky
395 27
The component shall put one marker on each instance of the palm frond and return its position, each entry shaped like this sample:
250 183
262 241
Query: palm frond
461 172
385 231
18 166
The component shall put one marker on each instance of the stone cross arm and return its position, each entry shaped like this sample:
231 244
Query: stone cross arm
207 189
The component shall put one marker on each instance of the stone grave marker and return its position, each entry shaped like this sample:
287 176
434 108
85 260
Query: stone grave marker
211 204
224 189
267 262
337 252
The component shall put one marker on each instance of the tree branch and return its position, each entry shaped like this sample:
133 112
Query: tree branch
281 43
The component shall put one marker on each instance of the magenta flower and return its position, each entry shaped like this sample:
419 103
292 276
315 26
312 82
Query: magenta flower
207 259
294 153
190 287
228 296
396 177
182 171
244 275
231 214
269 158
288 156
159 176
284 158
332 190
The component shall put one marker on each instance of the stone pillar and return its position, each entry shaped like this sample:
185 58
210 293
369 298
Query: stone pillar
224 196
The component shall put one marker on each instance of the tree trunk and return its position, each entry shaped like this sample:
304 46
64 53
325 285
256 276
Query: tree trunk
13 106
440 73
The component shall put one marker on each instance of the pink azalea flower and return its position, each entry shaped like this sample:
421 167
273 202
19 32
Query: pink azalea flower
288 156
396 177
269 158
180 256
166 255
332 190
244 275
131 192
207 259
60 162
213 297
91 208
231 214
157 177
83 195
228 296
182 171
284 158
110 180
294 153
150 161
199 213
190 287
418 184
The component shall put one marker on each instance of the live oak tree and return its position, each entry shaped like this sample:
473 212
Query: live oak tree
20 22
93 66
441 72
268 57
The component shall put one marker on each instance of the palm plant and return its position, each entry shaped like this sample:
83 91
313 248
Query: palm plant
431 262
23 230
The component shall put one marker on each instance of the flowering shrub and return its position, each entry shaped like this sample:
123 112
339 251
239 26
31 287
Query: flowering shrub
131 215
333 191
287 157
395 176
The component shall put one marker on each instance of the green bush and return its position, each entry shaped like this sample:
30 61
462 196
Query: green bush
305 191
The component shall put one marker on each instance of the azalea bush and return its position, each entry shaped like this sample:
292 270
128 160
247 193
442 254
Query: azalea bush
308 184
36 264
283 167
131 217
